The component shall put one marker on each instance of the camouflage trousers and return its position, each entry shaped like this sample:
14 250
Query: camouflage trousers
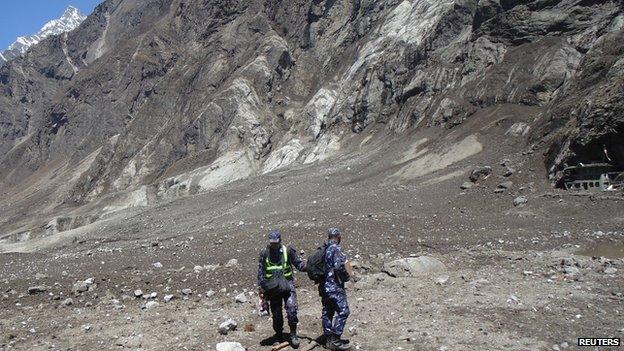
291 311
335 313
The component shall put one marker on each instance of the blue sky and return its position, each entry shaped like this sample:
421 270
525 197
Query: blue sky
22 17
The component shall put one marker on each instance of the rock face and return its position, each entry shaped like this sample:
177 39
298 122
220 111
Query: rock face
163 98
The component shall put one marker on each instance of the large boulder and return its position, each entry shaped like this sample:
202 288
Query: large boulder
414 267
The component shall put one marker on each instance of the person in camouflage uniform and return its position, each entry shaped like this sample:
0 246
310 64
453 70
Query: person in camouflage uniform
333 294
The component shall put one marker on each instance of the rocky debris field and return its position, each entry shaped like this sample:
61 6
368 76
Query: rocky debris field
437 267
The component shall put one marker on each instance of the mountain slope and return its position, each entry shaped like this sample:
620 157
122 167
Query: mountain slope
70 20
167 98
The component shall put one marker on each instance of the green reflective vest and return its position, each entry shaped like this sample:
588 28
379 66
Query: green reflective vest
284 266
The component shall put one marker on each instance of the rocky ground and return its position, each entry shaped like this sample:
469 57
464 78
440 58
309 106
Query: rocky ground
517 275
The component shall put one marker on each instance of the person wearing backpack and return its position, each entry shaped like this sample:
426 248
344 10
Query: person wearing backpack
276 282
333 294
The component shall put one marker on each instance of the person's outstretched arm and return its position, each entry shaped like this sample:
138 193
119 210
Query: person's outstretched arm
295 260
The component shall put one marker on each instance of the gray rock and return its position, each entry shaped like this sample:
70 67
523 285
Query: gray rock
571 271
187 291
149 305
520 200
230 346
610 270
414 266
168 298
467 185
241 298
441 280
33 290
227 326
480 172
505 185
509 172
68 302
80 287
138 293
231 263
518 129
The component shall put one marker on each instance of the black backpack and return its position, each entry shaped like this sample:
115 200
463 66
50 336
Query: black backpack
315 266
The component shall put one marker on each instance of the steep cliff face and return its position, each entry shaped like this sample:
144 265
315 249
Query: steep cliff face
186 95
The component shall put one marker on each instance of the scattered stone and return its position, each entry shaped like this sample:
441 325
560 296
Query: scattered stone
480 172
33 290
150 304
414 266
610 270
520 200
157 265
571 271
198 269
505 185
210 293
187 292
227 326
138 293
513 298
518 129
509 171
241 298
168 298
68 302
441 280
230 346
80 287
231 263
467 185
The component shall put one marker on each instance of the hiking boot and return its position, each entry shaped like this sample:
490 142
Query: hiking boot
294 341
333 343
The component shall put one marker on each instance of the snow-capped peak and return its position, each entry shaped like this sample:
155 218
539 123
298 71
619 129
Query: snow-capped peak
71 18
